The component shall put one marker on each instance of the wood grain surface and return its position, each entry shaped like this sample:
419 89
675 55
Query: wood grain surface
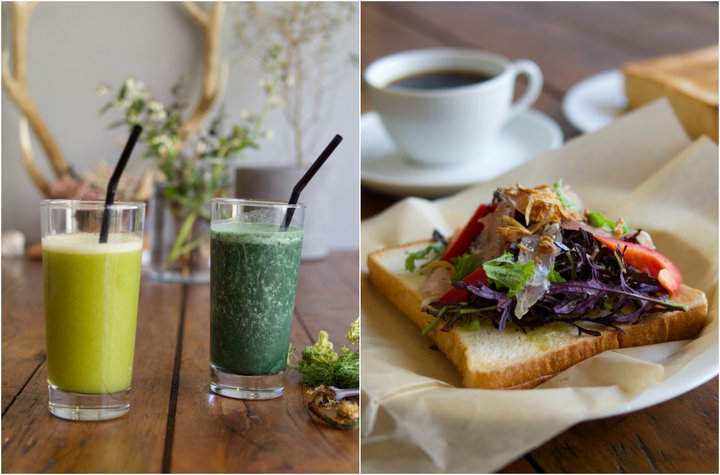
570 41
175 424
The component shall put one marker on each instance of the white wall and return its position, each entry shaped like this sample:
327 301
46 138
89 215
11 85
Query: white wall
74 46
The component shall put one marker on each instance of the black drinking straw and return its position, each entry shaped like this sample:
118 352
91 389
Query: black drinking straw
115 178
300 185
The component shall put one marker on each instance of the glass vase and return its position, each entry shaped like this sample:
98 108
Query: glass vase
179 225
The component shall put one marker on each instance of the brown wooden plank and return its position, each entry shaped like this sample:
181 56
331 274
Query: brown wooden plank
381 35
217 434
521 465
23 325
36 441
328 296
676 436
568 40
638 28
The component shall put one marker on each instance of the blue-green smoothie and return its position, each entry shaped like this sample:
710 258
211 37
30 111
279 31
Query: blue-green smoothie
253 279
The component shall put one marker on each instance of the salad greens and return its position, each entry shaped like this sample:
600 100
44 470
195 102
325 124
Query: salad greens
505 273
567 202
605 290
562 267
430 254
597 220
464 266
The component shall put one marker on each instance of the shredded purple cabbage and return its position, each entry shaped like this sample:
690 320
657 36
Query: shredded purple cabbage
599 288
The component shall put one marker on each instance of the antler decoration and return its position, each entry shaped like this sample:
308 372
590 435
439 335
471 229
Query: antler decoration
15 83
213 82
17 88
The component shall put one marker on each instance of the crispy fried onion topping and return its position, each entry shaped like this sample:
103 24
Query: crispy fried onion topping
539 204
516 230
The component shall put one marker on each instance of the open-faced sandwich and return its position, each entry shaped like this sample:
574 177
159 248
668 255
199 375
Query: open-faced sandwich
535 283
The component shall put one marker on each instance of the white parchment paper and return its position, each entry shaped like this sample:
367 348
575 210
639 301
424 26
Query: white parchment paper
416 417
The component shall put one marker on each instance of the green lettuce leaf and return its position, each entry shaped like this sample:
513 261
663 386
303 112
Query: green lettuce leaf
597 220
567 202
464 266
430 254
506 274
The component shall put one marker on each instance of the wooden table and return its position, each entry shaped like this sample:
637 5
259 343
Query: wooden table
175 424
571 41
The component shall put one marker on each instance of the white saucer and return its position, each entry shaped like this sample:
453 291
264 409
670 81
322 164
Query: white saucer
596 101
383 168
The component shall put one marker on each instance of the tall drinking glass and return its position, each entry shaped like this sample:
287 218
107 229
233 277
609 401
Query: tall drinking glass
254 263
91 303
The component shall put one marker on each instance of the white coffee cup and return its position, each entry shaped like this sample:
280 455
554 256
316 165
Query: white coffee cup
450 125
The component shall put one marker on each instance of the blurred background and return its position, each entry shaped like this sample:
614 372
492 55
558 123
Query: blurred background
289 71
580 47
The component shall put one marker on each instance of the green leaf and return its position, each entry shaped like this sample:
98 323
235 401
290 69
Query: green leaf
505 273
436 248
464 266
555 276
597 220
122 92
105 108
567 202
118 123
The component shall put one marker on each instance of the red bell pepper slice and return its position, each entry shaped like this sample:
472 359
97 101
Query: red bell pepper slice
458 295
647 260
461 244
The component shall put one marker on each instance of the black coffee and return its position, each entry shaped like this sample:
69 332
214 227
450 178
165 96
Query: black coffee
440 79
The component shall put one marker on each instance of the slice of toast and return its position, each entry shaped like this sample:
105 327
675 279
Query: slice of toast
513 359
689 81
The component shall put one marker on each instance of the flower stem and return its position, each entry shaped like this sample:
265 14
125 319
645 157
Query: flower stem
196 243
177 249
266 106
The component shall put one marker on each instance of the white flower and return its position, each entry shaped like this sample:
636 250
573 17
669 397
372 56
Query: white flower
162 139
121 103
155 106
245 114
269 134
276 101
267 84
134 89
290 80
158 116
103 90
200 148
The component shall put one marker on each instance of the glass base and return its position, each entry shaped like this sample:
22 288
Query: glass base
88 407
246 387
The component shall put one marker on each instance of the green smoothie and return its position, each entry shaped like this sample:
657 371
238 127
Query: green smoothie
253 279
91 302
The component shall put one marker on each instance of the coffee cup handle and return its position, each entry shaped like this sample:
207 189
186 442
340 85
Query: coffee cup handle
534 85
